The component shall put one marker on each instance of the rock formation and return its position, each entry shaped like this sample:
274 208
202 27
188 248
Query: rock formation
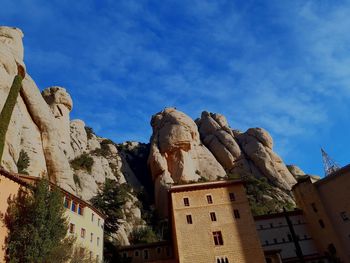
177 154
248 153
40 126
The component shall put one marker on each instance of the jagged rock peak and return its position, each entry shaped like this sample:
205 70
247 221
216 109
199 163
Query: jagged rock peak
248 153
177 154
57 95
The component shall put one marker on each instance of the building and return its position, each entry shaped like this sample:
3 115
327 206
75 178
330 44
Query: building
326 207
212 222
275 235
85 221
158 252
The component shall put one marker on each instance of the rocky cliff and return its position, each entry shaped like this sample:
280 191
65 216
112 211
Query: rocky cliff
43 141
63 150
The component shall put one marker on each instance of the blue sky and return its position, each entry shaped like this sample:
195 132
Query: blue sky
280 65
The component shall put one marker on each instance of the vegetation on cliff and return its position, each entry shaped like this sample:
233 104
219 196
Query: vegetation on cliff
7 110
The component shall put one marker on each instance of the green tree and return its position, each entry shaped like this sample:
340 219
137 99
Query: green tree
23 162
37 226
110 201
6 112
143 235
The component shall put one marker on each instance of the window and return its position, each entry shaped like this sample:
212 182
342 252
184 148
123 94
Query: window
289 237
145 254
92 217
266 242
91 237
71 228
80 210
90 254
212 216
98 241
189 219
275 240
82 233
66 203
283 240
218 241
344 216
313 205
186 201
321 223
125 255
236 213
209 199
98 222
136 253
261 226
74 206
159 250
232 197
271 225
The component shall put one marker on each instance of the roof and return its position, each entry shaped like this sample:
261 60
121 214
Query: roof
334 175
341 172
147 245
27 181
206 185
294 212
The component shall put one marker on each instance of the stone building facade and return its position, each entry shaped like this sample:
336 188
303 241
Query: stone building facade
85 221
212 222
275 234
326 207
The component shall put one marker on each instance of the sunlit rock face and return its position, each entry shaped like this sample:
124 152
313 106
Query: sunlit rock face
248 153
177 154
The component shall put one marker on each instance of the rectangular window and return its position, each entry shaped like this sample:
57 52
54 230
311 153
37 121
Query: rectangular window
289 237
136 253
321 223
344 216
98 222
186 201
71 228
189 219
275 240
218 240
98 241
91 237
313 205
92 217
209 199
236 213
232 197
80 210
74 206
66 202
145 254
159 250
212 216
82 233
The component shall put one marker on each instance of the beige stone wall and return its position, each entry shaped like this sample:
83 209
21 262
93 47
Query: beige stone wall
195 243
306 194
7 188
154 252
92 225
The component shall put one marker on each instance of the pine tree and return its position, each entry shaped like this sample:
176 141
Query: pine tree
110 201
37 226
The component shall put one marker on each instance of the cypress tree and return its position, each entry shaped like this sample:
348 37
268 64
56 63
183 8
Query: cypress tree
6 112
